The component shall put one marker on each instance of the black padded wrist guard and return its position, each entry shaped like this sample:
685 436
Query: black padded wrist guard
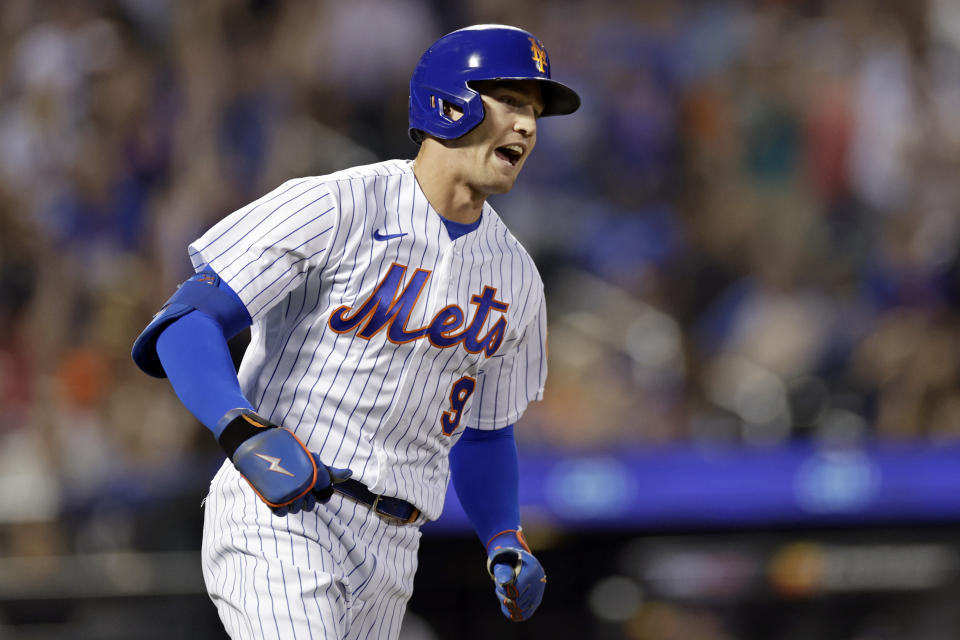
242 424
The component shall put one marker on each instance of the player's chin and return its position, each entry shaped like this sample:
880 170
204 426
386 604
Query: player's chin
500 186
503 182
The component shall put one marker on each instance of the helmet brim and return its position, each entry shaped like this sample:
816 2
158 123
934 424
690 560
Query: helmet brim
558 98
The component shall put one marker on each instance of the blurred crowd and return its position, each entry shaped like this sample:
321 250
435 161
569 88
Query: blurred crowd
749 233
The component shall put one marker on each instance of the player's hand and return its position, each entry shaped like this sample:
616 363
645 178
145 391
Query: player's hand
518 576
322 489
279 468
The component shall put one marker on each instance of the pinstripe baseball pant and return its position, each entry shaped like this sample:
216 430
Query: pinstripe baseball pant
340 572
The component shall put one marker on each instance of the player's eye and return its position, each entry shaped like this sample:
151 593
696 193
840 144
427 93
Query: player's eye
517 102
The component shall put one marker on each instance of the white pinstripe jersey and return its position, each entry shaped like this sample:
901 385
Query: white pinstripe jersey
373 332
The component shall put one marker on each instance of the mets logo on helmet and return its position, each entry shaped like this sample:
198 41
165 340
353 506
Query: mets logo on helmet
539 55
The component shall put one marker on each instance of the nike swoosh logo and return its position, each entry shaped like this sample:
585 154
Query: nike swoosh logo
386 236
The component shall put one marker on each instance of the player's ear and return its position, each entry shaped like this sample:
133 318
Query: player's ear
452 111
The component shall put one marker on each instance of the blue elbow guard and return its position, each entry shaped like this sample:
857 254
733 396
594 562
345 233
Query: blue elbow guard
203 292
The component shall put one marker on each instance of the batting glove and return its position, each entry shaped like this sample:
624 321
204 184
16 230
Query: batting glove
279 468
518 576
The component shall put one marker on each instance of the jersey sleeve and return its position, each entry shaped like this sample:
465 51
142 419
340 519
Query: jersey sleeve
513 378
266 249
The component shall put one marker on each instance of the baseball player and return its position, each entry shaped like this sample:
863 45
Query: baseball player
398 332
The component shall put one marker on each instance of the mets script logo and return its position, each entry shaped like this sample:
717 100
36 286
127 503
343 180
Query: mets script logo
539 55
385 308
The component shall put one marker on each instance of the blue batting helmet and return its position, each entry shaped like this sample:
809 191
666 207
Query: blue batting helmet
480 52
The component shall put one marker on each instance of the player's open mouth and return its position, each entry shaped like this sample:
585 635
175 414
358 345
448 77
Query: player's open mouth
510 153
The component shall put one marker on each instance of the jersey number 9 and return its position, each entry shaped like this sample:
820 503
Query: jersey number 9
459 394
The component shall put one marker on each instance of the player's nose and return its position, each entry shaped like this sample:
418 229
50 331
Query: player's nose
525 123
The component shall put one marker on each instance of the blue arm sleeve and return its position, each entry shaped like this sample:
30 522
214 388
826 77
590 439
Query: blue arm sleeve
197 361
486 477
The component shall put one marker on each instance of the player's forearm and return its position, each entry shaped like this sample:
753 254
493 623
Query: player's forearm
197 360
485 473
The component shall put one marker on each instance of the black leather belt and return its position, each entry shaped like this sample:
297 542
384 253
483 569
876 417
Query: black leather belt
400 510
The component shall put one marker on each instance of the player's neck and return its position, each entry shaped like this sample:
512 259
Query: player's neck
451 197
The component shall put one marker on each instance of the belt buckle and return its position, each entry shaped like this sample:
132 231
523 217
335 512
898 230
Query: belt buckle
389 516
386 516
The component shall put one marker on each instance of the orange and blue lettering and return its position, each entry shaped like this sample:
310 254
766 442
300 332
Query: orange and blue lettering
459 394
491 342
385 307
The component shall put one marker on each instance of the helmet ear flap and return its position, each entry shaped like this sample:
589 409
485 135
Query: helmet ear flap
430 104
